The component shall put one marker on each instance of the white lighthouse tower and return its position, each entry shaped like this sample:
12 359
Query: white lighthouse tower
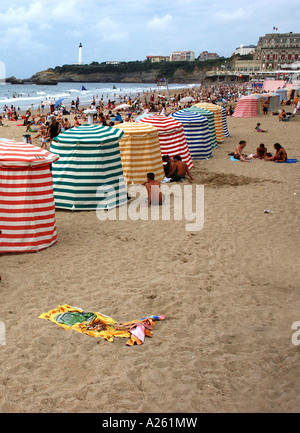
80 54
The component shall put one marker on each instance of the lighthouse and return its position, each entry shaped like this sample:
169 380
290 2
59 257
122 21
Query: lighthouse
80 54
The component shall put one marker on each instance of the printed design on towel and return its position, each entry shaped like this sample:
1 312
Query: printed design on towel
99 325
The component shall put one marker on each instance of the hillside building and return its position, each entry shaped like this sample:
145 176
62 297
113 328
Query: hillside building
178 56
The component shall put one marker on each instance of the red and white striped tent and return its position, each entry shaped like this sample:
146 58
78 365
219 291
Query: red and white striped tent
247 106
27 211
171 137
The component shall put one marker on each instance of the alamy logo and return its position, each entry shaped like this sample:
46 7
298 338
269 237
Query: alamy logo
296 335
2 334
180 203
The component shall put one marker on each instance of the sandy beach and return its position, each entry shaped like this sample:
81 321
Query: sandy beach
229 292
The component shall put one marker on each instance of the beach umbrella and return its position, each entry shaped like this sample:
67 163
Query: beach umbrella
142 116
122 107
171 137
140 151
89 161
211 123
26 195
59 101
47 103
196 132
187 99
216 109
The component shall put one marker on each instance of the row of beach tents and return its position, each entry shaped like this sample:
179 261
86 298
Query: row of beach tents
89 166
252 105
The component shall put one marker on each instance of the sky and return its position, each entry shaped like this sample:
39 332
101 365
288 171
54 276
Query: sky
41 34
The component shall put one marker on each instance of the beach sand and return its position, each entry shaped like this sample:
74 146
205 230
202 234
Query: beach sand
229 292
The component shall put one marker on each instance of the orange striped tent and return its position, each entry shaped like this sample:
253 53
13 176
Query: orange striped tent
27 211
140 152
171 137
217 110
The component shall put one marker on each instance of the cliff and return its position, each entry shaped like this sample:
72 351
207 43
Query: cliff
128 72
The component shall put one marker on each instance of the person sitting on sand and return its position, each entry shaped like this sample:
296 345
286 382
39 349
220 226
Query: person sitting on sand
153 189
167 163
67 125
282 116
258 128
76 121
179 170
238 152
280 154
261 152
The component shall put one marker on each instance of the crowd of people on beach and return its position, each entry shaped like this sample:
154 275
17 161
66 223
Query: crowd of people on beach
46 126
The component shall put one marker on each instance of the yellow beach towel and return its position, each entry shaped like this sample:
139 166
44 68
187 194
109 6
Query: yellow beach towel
98 325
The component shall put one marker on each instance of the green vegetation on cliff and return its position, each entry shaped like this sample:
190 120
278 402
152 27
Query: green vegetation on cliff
163 69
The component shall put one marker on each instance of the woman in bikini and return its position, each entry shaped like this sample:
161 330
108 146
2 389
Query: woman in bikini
280 154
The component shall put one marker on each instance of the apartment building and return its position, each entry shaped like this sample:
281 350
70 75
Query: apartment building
275 49
178 56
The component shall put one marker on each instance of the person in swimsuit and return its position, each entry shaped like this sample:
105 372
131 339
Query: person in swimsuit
280 154
238 152
153 189
261 152
179 170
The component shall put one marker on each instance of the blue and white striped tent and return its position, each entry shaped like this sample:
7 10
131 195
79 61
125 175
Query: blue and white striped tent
89 173
197 133
211 123
224 121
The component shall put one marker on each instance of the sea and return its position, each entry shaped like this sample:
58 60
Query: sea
24 96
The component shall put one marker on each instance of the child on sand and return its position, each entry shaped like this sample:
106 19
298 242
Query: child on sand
258 128
153 189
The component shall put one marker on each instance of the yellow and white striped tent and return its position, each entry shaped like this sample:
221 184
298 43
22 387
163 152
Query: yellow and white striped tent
140 152
217 110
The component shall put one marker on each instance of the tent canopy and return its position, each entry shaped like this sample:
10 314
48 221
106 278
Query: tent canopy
211 122
140 151
196 132
247 106
90 162
27 210
171 137
217 110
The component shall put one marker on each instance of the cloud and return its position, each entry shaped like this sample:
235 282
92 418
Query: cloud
236 15
160 23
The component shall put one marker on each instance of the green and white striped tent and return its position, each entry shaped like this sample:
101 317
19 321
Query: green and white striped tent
89 173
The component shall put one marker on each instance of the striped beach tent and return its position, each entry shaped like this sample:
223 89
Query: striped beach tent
224 121
283 94
27 211
247 106
196 132
211 122
171 137
88 174
140 151
216 109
